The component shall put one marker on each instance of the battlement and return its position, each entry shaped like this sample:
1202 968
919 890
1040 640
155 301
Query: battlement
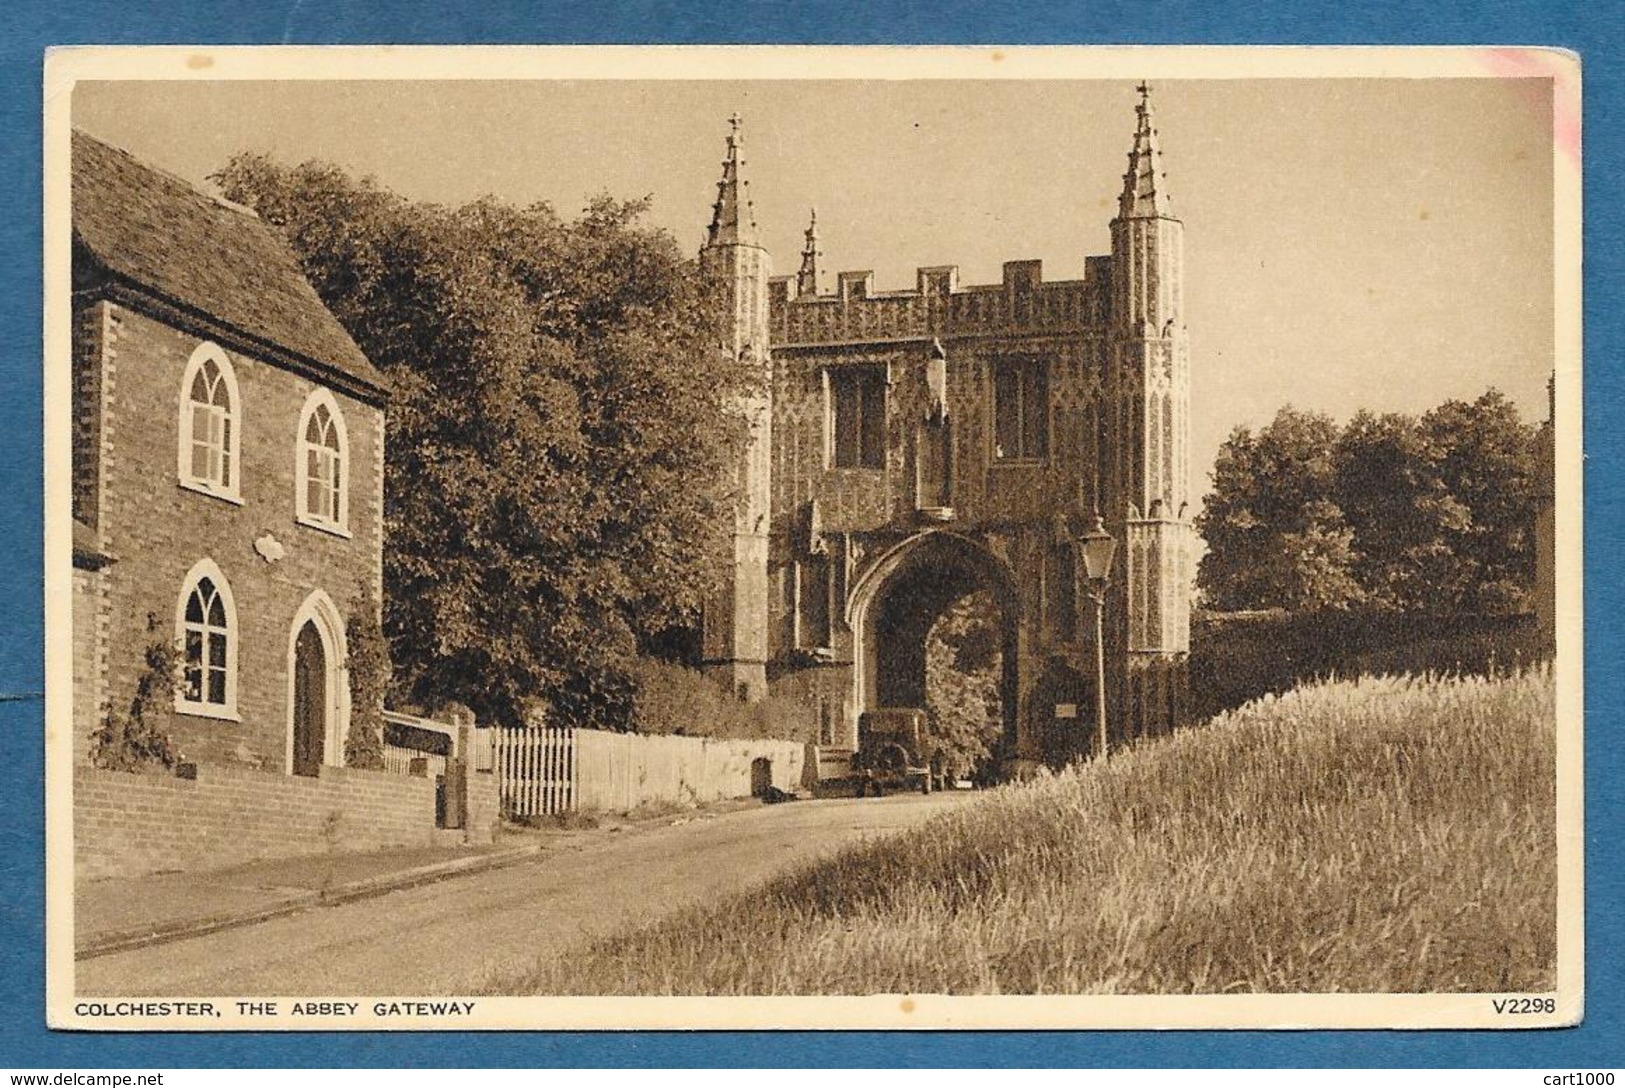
939 306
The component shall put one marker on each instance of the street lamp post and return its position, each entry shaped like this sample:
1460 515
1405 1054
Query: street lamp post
1098 547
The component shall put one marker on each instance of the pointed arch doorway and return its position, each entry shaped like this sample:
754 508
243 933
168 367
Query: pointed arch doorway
310 709
318 695
897 605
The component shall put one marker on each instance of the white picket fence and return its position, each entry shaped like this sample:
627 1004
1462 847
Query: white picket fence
398 760
398 757
535 770
550 771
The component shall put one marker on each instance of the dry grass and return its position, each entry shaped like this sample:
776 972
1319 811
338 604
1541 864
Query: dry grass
1372 835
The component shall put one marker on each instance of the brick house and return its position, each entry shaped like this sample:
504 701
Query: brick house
228 452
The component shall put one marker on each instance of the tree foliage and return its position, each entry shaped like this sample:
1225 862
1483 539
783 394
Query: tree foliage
560 431
1388 512
1273 532
1487 460
964 671
1398 509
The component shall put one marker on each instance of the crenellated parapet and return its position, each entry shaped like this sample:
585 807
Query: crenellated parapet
939 307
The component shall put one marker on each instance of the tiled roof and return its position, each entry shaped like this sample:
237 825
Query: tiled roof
168 238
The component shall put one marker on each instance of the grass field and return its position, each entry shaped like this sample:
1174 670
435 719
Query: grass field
1374 835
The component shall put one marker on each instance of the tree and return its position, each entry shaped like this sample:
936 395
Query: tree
1487 459
1390 512
1276 538
964 670
561 431
1401 512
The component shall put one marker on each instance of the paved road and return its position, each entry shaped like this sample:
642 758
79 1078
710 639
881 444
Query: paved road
447 938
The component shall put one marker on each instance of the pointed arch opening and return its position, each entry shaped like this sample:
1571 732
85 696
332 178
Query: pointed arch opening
207 634
937 627
210 425
322 470
318 687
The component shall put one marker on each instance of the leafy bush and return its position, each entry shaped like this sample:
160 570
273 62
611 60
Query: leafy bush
131 740
671 699
369 679
1238 656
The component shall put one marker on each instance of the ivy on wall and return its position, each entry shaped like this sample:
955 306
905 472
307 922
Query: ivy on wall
369 668
130 740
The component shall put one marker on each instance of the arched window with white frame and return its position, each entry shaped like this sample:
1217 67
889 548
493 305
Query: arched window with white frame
206 629
322 472
210 425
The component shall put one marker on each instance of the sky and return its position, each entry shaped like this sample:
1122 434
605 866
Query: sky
1350 243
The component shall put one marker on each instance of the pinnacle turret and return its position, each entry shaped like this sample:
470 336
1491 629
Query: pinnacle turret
1144 187
733 220
807 277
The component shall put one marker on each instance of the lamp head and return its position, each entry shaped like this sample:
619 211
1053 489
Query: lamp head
1098 547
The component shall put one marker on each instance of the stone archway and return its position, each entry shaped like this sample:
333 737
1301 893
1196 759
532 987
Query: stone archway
894 606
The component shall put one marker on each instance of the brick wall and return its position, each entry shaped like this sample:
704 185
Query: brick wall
1022 302
128 825
827 691
155 531
1116 370
89 646
981 329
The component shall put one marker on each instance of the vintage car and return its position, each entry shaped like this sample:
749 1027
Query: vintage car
895 748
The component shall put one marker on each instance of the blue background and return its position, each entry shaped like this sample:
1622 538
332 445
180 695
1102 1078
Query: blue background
32 25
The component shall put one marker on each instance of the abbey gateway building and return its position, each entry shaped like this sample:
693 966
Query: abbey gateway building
917 446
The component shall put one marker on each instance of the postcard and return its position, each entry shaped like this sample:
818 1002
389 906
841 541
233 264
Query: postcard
768 537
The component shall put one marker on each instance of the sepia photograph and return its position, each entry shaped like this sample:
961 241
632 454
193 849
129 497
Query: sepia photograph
812 538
